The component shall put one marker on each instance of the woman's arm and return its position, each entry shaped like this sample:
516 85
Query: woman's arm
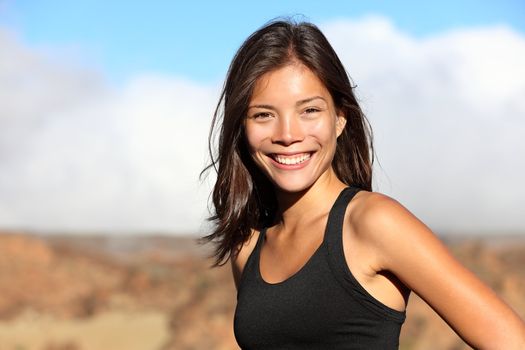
409 249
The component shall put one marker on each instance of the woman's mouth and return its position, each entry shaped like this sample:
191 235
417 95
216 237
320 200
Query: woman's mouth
291 159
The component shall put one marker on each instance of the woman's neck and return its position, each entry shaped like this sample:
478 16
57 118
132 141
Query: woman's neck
298 208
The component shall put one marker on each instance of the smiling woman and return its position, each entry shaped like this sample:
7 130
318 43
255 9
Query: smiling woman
292 127
320 261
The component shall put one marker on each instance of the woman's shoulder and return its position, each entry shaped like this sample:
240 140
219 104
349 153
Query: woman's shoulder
243 252
369 207
389 230
374 216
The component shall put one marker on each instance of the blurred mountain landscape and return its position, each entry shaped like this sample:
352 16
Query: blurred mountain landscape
90 292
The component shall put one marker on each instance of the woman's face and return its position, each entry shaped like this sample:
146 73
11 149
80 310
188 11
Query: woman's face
292 127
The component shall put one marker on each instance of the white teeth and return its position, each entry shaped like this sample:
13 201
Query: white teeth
292 160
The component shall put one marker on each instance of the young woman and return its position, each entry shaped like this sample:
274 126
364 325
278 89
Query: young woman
319 260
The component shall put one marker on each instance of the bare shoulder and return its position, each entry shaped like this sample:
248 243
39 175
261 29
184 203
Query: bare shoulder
366 204
386 225
374 214
238 261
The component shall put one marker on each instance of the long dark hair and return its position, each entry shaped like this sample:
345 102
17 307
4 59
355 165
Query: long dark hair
243 198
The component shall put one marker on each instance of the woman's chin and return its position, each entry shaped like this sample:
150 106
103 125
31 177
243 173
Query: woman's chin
298 181
293 186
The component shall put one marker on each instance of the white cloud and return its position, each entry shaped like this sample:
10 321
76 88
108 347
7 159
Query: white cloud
448 113
79 156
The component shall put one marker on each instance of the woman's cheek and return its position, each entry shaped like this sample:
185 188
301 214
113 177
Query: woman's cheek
319 128
252 135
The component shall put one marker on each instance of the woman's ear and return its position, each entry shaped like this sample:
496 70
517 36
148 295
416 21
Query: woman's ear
340 123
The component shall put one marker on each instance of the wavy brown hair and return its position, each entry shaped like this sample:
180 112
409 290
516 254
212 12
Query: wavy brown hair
243 198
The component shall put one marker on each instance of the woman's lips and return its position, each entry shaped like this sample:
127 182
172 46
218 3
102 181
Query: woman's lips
291 161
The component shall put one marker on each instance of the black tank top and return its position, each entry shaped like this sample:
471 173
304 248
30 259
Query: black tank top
322 306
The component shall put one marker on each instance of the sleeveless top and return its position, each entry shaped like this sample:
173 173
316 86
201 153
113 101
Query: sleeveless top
322 306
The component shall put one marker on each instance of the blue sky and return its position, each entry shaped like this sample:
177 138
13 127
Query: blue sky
196 39
113 101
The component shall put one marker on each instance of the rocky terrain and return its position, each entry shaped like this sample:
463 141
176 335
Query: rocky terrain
95 292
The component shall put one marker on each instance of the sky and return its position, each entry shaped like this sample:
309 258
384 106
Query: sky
105 107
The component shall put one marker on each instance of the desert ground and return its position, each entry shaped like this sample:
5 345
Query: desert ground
155 292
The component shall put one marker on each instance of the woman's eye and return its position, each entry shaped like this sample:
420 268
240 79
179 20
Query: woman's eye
311 110
262 115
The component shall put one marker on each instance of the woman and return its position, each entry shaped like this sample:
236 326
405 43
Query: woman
319 260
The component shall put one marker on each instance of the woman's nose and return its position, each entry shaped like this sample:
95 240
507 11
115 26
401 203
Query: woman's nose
287 131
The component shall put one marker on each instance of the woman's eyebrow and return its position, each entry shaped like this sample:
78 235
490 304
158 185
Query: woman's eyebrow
310 99
298 103
263 106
